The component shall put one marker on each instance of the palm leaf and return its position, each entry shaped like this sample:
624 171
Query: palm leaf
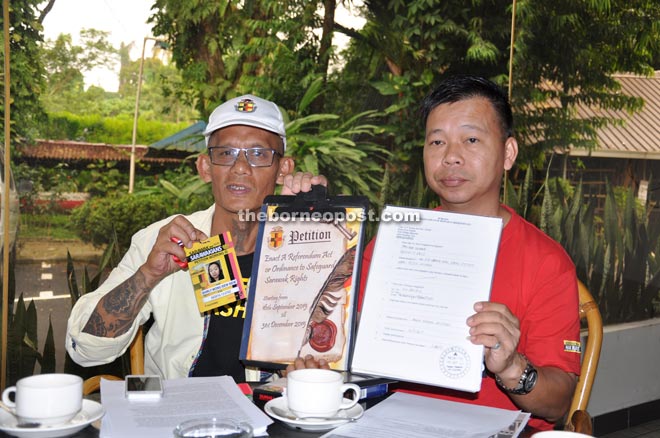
313 91
47 361
71 279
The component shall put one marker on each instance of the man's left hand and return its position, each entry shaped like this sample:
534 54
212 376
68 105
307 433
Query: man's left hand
295 183
497 329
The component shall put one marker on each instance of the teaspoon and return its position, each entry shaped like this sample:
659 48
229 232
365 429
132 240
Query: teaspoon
291 416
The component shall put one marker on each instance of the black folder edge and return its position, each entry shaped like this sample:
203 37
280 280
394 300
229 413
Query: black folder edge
315 200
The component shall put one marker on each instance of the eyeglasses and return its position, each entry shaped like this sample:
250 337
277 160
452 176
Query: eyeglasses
256 157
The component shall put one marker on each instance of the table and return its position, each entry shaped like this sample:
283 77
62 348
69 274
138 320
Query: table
275 430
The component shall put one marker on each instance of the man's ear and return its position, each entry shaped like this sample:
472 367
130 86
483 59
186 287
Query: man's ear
286 167
510 152
204 167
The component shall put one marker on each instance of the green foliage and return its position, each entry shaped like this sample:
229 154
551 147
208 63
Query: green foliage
177 191
229 47
96 128
102 179
22 343
110 258
47 224
591 41
406 46
33 180
343 151
66 63
183 190
163 95
27 71
615 252
98 219
64 94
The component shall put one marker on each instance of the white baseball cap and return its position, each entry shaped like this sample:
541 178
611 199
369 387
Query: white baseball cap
247 110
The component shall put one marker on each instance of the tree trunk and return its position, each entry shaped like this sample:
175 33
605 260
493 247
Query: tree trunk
325 49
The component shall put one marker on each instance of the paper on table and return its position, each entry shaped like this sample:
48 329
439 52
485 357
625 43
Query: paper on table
183 399
424 279
412 416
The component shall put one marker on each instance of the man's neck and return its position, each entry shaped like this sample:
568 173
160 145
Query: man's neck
243 233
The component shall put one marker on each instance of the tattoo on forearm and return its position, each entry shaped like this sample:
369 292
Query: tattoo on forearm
117 310
95 325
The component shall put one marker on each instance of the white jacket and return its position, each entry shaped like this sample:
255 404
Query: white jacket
174 339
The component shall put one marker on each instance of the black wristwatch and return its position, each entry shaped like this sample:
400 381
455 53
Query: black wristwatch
525 384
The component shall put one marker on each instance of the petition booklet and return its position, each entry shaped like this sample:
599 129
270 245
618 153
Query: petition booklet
214 271
303 289
424 279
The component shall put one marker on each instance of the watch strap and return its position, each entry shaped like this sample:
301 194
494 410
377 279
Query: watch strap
521 388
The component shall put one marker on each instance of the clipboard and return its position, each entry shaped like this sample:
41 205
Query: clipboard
424 278
303 291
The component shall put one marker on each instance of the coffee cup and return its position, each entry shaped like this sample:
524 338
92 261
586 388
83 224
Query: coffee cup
559 434
316 392
48 399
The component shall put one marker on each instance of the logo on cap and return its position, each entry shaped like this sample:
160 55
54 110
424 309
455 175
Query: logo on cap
245 106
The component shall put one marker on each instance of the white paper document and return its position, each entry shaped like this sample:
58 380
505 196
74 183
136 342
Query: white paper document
424 279
183 399
412 416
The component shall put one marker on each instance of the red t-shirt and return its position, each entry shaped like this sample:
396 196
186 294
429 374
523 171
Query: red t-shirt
536 279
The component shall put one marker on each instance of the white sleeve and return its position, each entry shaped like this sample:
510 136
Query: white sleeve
89 350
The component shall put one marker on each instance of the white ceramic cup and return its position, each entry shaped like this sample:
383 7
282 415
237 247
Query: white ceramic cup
49 399
559 434
318 393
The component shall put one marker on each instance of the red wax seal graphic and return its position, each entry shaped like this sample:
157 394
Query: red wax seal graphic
323 335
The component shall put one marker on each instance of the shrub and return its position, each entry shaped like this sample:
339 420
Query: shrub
99 218
614 251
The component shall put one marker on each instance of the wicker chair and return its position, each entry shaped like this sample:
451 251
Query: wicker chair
578 419
93 383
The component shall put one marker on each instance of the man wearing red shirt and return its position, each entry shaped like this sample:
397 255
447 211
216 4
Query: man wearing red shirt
530 327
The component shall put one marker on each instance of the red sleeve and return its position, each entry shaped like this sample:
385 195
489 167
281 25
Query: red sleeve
364 270
550 328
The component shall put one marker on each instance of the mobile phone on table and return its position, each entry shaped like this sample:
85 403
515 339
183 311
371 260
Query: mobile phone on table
143 387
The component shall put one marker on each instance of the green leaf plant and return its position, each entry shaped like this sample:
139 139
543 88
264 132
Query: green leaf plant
344 151
614 248
22 342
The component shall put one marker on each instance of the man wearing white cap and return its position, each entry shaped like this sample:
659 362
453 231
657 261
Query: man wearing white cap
245 160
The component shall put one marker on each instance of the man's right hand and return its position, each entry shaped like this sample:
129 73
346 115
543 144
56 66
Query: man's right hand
116 311
160 263
308 361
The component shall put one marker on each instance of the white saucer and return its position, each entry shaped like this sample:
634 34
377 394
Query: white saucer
311 424
90 412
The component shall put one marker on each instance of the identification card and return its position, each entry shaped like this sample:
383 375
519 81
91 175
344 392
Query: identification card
214 271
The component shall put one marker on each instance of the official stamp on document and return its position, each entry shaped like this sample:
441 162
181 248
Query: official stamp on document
454 362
